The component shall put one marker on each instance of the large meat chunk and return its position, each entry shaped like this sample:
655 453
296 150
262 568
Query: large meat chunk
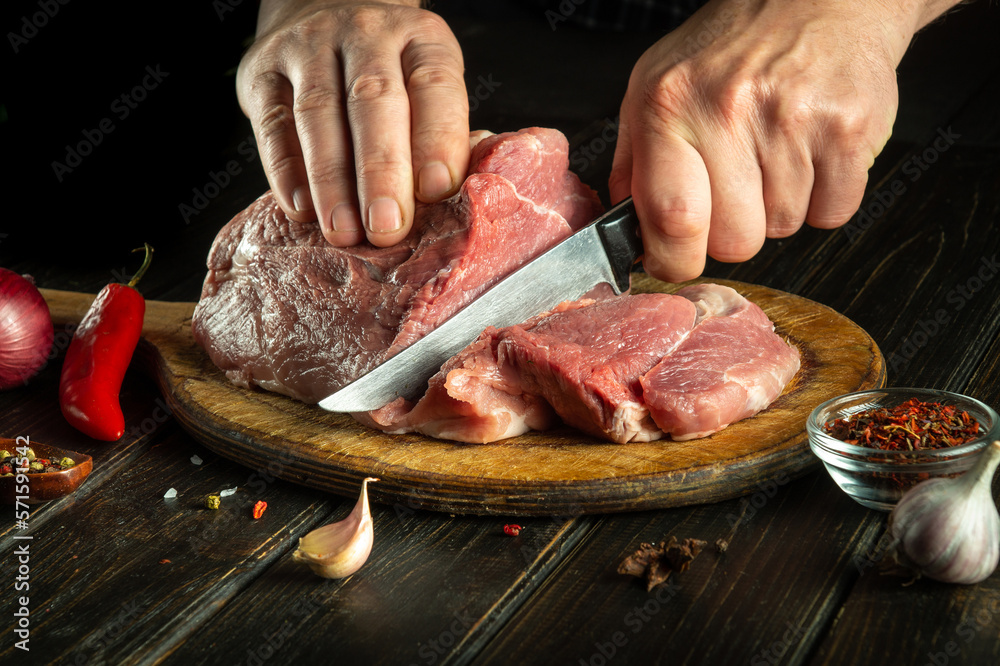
284 310
629 368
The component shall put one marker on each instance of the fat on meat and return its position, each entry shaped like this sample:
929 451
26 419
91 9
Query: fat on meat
627 368
283 310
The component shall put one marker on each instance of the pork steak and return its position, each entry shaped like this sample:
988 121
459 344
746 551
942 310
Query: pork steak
628 369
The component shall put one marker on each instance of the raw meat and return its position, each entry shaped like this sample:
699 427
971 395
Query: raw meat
284 310
732 366
629 368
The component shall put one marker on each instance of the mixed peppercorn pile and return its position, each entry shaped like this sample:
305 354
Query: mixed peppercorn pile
36 465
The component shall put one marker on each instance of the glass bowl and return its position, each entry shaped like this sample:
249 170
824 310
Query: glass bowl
877 478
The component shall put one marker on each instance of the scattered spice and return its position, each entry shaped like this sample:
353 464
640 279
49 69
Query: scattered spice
170 494
213 501
910 426
258 509
512 530
164 561
657 563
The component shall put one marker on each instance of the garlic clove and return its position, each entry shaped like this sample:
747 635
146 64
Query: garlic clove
340 549
949 529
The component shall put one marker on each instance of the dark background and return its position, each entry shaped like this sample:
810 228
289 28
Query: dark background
132 188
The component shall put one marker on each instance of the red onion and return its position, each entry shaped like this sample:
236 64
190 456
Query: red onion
25 329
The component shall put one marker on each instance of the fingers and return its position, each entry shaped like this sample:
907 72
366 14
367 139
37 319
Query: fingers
326 146
672 193
439 111
841 177
738 224
358 112
787 187
267 102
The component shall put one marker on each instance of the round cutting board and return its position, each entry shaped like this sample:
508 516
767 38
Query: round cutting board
557 472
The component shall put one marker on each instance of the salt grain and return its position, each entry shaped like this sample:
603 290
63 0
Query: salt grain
195 459
228 491
170 494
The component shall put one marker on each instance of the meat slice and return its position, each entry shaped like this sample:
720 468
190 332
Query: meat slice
627 369
732 366
284 310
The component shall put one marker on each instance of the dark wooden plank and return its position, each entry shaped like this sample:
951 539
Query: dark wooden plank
434 587
33 412
101 585
727 608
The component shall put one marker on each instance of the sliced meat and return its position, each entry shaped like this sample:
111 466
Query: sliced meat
732 366
627 369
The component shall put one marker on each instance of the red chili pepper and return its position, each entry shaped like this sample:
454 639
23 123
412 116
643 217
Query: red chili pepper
258 509
512 530
98 356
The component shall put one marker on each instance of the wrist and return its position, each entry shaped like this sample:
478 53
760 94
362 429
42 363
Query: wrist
274 12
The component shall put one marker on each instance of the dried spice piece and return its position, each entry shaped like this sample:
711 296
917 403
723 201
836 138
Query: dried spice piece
657 563
258 509
911 426
164 561
512 530
213 501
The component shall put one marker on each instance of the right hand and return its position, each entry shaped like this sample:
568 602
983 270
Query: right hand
359 109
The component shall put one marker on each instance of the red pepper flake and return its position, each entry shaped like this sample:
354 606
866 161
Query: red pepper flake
512 530
164 561
258 509
910 426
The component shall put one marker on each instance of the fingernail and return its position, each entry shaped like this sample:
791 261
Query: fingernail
344 218
433 180
384 216
301 199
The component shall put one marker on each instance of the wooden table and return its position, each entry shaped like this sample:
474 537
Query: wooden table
119 575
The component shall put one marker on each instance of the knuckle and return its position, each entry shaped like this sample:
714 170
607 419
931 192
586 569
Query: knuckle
316 97
670 92
379 166
369 20
782 223
280 164
371 86
330 173
735 98
679 218
275 122
434 73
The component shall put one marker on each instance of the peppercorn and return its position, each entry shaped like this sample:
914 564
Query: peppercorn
213 501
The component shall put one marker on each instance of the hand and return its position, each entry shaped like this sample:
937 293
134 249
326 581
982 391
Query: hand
752 118
358 109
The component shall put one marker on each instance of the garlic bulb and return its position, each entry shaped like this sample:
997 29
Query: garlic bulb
339 549
948 529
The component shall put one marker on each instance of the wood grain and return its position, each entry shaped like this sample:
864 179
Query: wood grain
554 472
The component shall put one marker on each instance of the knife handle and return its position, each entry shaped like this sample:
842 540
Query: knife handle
619 232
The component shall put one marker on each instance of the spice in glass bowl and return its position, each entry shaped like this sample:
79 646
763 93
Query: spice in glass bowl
913 425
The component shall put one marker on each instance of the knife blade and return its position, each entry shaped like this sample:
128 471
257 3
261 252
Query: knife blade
604 251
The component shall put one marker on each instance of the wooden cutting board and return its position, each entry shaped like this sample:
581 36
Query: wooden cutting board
555 473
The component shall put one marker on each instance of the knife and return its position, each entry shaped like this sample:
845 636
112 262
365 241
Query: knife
603 251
